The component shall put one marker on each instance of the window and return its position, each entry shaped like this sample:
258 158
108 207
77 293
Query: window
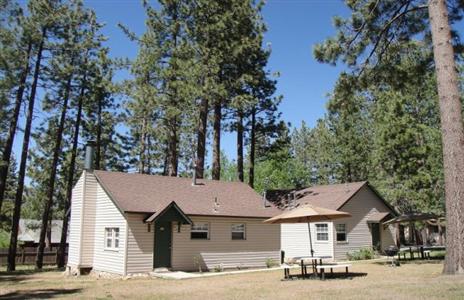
341 232
112 238
238 231
200 231
322 231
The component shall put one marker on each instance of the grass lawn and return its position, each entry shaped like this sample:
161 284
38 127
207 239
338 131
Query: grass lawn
413 280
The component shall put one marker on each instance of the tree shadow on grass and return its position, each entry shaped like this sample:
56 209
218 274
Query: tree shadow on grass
335 275
39 294
21 275
432 260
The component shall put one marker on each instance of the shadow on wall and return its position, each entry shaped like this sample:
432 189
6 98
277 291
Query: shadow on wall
39 294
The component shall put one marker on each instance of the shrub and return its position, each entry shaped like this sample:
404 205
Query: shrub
361 254
197 262
270 263
4 239
218 268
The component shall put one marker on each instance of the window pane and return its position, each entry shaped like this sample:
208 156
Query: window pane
322 236
199 235
200 227
116 232
341 237
238 235
322 228
116 243
108 242
238 227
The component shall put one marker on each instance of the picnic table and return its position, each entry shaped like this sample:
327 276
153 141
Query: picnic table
313 261
422 250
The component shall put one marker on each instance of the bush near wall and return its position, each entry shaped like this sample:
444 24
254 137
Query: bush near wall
362 254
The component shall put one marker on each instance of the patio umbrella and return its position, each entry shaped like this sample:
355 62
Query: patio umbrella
307 214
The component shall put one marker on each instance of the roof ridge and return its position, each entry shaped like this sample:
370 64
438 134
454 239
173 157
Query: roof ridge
171 177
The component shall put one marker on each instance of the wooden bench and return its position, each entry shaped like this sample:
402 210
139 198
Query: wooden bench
322 268
232 260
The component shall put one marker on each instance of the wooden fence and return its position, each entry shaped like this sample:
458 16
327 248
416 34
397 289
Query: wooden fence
27 255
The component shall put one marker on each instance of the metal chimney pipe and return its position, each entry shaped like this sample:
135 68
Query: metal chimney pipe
89 155
194 178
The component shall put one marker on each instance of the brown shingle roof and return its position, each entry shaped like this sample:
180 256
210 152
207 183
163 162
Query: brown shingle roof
332 196
152 193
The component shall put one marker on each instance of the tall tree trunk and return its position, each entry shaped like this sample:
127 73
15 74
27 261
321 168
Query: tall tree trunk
452 135
60 258
51 185
6 157
201 139
23 163
172 147
216 172
251 179
98 157
240 145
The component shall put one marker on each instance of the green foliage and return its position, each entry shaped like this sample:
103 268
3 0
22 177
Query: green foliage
4 239
218 268
271 263
361 254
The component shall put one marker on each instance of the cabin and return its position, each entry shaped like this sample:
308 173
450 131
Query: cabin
125 224
29 233
364 229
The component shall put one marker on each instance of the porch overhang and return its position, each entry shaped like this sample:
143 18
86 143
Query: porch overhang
171 212
379 217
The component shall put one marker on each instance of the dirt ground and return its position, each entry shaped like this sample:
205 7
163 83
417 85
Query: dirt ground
415 280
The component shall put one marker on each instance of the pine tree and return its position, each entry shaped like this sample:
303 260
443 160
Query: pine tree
41 20
16 50
373 27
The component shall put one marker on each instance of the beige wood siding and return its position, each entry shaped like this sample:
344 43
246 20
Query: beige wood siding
295 240
108 215
75 232
139 245
361 207
88 222
260 237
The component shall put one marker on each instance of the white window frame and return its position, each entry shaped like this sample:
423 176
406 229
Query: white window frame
325 232
344 232
232 230
112 234
192 229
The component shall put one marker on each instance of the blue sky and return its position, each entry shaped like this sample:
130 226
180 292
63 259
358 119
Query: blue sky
294 26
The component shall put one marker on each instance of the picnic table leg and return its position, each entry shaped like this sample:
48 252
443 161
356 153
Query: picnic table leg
322 274
346 270
411 254
422 252
302 268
